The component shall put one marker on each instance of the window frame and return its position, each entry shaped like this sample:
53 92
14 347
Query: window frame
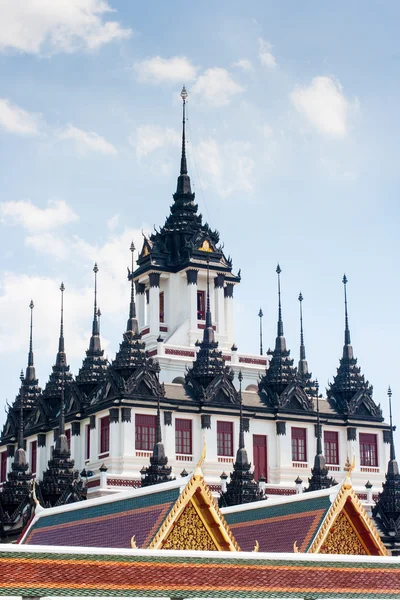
183 436
87 442
161 307
104 435
368 441
225 438
297 451
331 447
145 432
68 436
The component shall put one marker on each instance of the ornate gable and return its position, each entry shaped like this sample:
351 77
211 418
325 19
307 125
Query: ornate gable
195 522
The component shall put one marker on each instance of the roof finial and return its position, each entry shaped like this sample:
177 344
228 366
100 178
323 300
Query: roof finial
303 366
184 95
280 322
30 371
261 314
346 330
95 328
132 324
61 358
319 431
392 449
241 426
158 432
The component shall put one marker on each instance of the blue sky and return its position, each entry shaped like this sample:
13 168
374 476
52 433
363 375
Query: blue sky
293 153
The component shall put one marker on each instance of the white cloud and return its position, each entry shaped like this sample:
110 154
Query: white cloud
57 26
216 87
177 69
35 219
149 138
17 120
113 222
267 130
265 55
228 167
48 243
324 105
243 64
87 141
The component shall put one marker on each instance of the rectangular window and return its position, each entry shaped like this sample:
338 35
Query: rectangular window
87 442
368 450
161 307
33 457
224 438
260 456
3 467
104 435
201 305
331 447
145 431
68 436
299 444
183 436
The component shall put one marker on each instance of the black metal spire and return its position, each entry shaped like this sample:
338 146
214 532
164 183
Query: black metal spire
183 185
158 471
61 446
393 467
61 359
260 315
387 508
242 488
21 417
319 479
95 327
30 370
132 324
280 322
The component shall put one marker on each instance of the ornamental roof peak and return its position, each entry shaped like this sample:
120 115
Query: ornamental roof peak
183 184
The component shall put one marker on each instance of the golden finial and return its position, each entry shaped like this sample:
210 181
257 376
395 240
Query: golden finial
198 470
349 466
256 547
133 543
295 548
38 506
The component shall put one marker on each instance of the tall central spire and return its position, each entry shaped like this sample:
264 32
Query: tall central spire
183 185
61 359
94 344
393 467
280 322
208 335
347 349
30 370
303 366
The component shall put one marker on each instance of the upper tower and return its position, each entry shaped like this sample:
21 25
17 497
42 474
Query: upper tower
171 277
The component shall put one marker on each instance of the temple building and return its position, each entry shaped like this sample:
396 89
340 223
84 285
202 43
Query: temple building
178 380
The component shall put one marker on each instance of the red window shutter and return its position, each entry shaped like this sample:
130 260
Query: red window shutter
161 307
145 432
260 456
224 438
183 436
201 305
104 435
3 467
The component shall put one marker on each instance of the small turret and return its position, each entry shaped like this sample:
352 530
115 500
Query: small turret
158 471
319 479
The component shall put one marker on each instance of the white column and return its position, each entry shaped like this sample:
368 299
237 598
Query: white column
77 448
154 304
228 292
127 433
220 304
191 275
140 303
94 441
115 433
